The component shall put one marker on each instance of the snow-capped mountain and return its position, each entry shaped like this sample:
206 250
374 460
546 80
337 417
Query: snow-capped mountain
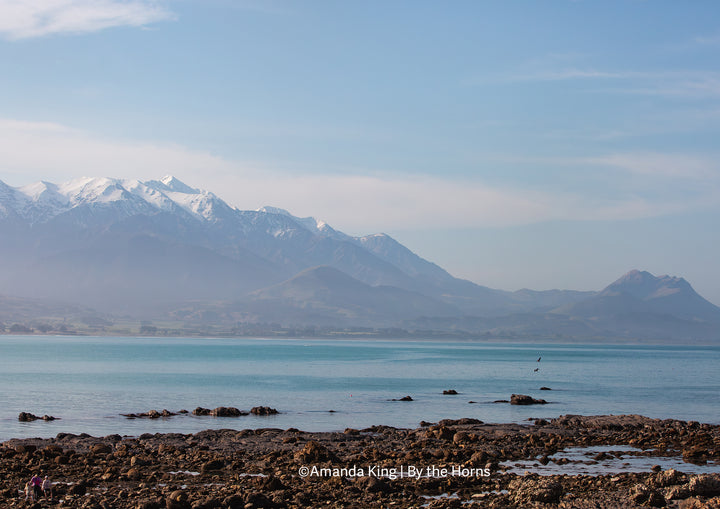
93 240
163 248
42 201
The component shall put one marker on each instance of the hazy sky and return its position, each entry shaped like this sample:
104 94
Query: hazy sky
517 144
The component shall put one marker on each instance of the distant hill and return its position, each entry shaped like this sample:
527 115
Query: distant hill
324 296
641 293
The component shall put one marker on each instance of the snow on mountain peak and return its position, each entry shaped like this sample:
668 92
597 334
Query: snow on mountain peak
41 201
275 210
174 184
309 223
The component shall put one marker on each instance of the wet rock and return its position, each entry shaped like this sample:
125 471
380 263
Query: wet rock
23 448
545 389
462 437
273 484
27 417
177 500
257 501
201 411
523 399
101 449
78 489
222 411
265 410
212 465
465 421
209 503
450 392
234 502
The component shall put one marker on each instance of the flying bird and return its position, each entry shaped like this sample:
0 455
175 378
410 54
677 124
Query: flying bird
536 369
539 358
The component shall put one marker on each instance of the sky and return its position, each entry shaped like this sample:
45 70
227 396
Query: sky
516 144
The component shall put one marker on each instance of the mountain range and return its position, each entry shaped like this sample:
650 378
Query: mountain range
162 249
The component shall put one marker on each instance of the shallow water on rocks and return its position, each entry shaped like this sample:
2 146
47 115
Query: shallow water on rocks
617 459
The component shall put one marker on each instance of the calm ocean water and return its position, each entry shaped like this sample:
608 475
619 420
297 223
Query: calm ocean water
89 381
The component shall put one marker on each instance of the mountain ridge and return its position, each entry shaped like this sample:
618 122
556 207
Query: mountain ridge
161 246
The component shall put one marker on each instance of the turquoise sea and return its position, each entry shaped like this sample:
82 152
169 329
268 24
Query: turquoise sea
89 381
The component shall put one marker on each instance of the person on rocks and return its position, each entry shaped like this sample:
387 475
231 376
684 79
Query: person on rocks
47 488
29 491
37 486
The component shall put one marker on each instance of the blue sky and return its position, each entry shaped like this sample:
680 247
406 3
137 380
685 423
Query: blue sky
516 144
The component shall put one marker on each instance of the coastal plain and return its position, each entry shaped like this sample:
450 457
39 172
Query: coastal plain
461 463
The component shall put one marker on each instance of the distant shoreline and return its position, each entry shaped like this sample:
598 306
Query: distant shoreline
376 337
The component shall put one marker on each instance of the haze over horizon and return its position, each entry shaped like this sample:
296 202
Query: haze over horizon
535 145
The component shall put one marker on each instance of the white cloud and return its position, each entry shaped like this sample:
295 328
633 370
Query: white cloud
22 19
357 204
681 166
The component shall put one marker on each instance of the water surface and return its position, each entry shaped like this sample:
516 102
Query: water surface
89 381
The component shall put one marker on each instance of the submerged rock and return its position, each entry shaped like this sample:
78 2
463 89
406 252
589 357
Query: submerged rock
404 398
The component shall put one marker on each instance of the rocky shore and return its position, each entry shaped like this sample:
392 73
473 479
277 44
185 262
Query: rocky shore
453 463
